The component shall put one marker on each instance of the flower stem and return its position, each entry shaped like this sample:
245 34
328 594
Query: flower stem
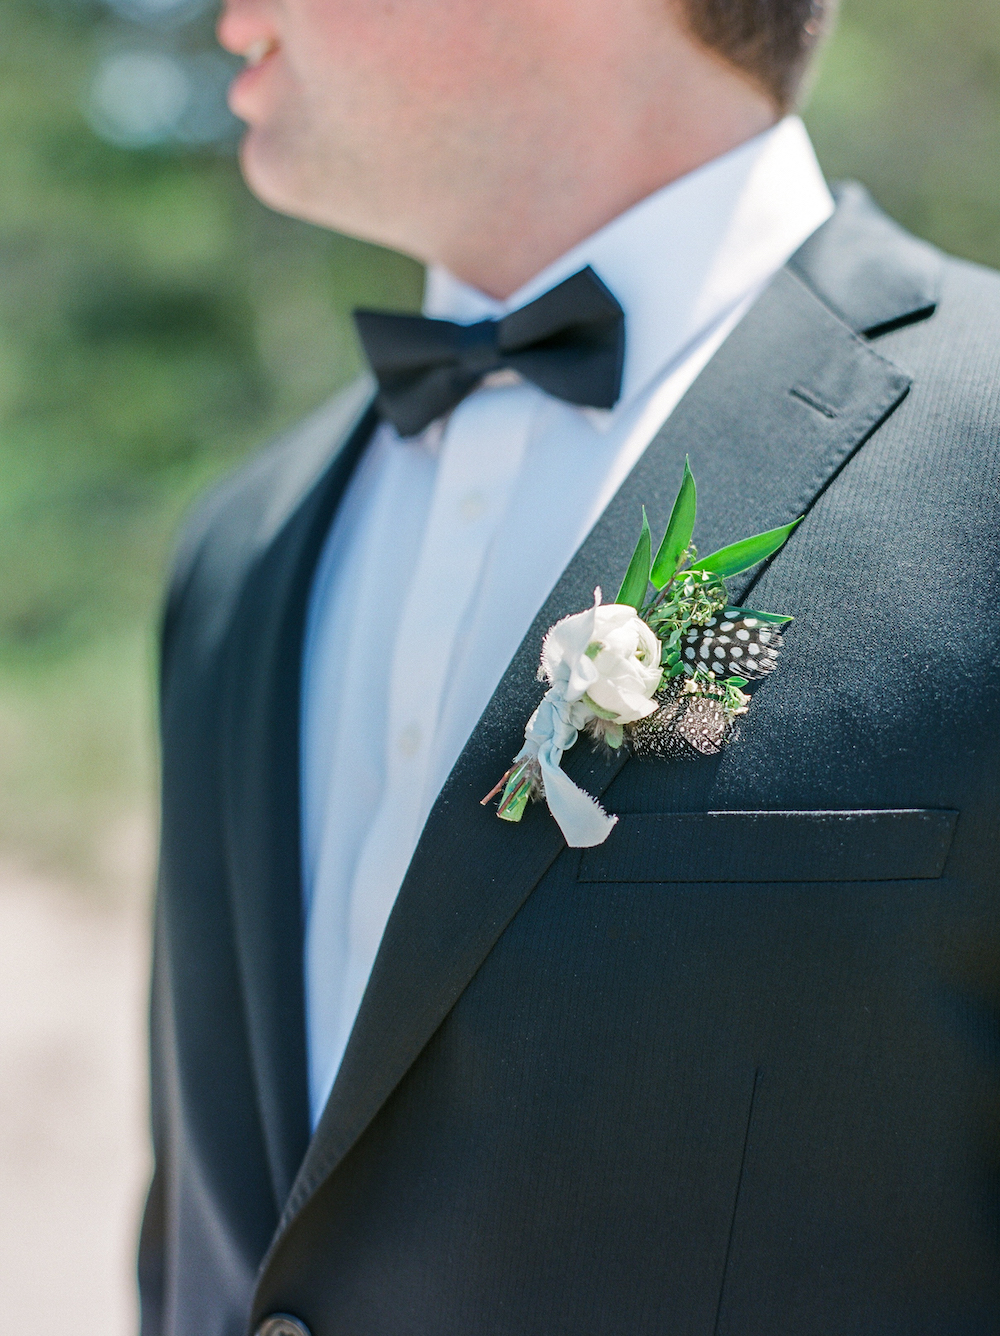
496 788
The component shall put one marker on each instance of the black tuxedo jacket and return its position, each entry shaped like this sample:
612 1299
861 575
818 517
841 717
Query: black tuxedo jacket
737 1070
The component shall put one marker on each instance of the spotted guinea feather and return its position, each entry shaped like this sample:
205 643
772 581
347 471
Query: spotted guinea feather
741 647
684 726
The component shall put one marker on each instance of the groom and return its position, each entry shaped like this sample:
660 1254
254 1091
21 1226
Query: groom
735 1070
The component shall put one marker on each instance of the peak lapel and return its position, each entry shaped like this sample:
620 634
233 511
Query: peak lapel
261 762
870 272
768 424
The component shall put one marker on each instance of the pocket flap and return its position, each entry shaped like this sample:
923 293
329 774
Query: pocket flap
903 845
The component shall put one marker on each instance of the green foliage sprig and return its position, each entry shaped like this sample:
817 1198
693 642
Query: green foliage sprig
675 591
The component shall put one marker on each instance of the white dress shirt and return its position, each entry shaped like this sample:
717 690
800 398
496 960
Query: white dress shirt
446 544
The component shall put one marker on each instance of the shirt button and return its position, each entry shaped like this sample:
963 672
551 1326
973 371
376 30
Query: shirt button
281 1324
472 506
409 740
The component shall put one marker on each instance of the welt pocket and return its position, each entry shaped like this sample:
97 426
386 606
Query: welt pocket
881 845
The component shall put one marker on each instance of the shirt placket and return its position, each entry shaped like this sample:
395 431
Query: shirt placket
482 452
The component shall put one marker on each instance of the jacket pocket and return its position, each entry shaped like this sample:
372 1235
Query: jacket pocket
890 845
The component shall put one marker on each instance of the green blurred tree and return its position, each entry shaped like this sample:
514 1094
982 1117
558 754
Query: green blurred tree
155 323
908 101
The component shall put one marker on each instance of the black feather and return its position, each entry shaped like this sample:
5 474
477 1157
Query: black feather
739 647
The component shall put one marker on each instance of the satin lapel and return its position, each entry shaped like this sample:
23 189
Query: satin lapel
261 764
768 424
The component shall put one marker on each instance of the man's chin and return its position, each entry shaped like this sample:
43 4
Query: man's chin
295 183
265 169
286 180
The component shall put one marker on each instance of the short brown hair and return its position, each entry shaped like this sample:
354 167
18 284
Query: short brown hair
772 41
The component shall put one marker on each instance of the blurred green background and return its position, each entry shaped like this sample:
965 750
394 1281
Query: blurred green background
156 324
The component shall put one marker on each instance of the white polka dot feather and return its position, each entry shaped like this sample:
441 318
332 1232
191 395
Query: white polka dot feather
743 647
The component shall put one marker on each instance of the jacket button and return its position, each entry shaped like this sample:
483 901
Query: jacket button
281 1324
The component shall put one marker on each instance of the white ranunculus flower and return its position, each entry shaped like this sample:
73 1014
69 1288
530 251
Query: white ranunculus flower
607 654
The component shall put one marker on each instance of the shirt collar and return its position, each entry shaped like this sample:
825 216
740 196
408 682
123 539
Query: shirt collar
686 256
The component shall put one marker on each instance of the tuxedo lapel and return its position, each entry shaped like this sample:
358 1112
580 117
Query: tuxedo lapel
261 765
777 413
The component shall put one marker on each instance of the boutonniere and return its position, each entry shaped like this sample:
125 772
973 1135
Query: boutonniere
661 671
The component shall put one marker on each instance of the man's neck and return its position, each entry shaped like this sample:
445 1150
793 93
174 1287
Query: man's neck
502 252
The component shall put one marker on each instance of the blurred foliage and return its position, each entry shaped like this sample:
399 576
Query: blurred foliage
156 324
908 101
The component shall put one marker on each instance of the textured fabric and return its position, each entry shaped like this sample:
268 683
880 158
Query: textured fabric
570 342
765 1102
463 533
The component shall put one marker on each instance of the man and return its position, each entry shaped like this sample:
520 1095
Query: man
417 1070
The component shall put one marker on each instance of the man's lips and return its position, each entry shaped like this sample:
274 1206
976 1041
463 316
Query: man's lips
259 50
258 56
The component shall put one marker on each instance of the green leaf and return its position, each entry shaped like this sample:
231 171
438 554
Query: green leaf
776 618
678 536
741 556
516 793
636 582
513 804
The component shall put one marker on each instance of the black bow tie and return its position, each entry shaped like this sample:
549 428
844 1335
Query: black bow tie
570 343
